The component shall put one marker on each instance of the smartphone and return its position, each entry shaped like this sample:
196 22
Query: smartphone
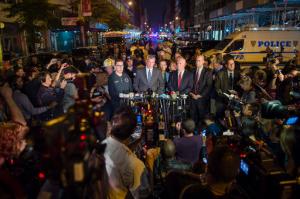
244 167
203 132
292 120
139 119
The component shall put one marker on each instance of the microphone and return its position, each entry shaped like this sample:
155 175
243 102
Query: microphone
230 97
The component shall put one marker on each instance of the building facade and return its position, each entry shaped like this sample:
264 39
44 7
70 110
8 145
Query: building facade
64 37
215 19
179 15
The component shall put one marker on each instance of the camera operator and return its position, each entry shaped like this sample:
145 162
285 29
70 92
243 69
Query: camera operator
248 93
247 119
223 167
126 173
70 91
100 97
290 83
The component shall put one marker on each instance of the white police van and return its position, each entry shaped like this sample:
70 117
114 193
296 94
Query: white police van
248 46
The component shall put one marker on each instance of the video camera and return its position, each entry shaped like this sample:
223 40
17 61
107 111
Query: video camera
234 103
275 109
73 152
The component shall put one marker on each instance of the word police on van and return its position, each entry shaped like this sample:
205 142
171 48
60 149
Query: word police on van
274 43
250 45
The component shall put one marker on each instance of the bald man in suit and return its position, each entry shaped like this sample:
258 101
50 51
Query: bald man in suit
201 90
181 80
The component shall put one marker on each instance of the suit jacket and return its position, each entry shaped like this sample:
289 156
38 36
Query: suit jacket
186 82
141 83
222 83
204 84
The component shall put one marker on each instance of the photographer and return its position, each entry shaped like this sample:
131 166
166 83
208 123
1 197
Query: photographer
70 91
47 95
248 92
247 119
100 97
23 102
290 83
127 174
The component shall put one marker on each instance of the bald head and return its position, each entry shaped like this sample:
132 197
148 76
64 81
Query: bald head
181 63
200 61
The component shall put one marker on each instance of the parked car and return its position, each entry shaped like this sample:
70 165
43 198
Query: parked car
203 45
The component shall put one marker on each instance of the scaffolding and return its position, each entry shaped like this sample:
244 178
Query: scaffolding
284 14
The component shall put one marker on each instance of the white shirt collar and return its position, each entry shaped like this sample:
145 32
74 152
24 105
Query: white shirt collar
230 72
147 69
182 72
199 69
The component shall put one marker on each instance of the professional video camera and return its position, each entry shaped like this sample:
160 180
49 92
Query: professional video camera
233 102
260 174
73 154
275 109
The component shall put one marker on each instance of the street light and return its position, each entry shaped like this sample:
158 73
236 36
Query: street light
130 3
176 18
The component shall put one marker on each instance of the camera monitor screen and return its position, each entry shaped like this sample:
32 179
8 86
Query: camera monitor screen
292 120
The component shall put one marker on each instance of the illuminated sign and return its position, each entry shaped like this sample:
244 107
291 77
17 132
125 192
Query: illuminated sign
274 43
99 26
69 21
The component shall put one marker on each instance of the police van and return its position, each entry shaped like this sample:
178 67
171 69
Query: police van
250 45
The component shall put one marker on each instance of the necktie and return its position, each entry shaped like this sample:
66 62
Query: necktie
179 80
149 75
231 80
197 78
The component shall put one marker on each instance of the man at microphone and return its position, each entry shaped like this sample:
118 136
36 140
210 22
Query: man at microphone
149 78
181 81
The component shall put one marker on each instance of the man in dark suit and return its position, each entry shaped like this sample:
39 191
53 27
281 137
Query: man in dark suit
225 82
200 94
149 78
181 80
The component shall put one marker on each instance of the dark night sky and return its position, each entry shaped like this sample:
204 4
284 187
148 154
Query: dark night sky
155 9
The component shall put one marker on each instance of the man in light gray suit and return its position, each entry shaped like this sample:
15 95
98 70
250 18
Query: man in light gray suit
149 78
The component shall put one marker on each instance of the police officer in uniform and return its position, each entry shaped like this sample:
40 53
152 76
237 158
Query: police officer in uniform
118 82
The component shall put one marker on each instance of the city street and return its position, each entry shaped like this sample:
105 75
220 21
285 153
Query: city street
140 99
